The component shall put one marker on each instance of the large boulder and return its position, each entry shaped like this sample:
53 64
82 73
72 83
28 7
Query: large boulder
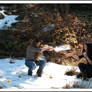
1 16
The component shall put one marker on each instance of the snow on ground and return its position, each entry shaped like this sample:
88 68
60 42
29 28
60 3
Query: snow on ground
62 48
14 76
8 20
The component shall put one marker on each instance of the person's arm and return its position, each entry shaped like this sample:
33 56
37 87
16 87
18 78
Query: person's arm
48 48
74 56
33 49
71 55
81 56
87 58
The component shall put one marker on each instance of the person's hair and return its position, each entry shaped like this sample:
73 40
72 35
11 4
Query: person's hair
35 43
84 47
89 49
89 46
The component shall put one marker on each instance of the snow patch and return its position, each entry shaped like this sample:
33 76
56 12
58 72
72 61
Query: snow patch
14 76
8 20
62 48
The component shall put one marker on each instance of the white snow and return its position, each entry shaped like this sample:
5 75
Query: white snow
62 48
8 20
14 77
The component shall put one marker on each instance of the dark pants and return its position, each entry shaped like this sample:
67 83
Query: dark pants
32 65
85 68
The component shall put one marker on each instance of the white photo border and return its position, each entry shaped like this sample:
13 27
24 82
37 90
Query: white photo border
46 2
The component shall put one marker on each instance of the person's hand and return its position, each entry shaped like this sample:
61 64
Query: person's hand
85 54
50 48
71 55
47 48
68 54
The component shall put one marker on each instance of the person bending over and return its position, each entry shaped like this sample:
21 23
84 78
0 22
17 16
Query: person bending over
33 54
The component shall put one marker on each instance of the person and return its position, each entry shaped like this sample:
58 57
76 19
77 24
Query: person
85 67
33 54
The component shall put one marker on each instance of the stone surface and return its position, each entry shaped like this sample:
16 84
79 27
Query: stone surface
1 16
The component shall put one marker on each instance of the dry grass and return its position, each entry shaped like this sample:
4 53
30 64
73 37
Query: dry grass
75 85
67 86
50 76
83 84
2 85
78 84
71 72
54 88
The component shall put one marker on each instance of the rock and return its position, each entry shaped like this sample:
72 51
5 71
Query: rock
1 16
12 59
20 76
21 17
16 24
11 12
0 76
49 27
2 85
8 12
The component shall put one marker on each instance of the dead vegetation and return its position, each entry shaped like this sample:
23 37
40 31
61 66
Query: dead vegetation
78 84
71 72
67 86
